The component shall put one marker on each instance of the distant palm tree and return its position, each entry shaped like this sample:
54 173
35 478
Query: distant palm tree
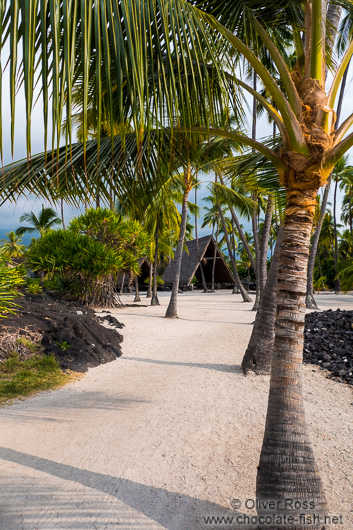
46 220
346 184
11 247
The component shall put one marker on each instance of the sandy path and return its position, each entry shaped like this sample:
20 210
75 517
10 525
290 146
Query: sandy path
165 435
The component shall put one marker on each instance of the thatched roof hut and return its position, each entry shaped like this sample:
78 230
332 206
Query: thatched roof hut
201 252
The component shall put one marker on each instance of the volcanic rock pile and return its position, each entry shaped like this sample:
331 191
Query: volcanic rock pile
75 334
328 343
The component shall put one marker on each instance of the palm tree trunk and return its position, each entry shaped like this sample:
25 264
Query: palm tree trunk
335 258
62 213
172 307
150 277
333 19
235 288
264 243
256 208
246 297
204 285
137 291
319 263
214 258
129 285
257 256
122 283
310 301
287 468
241 233
258 354
154 300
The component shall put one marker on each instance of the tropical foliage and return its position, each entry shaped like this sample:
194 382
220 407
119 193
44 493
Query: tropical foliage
12 247
10 280
170 68
89 255
41 223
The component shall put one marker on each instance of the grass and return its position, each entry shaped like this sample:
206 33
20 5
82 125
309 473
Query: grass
21 378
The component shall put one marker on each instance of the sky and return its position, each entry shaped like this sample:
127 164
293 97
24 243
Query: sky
11 212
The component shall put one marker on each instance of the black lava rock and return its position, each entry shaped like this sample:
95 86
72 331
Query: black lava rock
328 342
73 333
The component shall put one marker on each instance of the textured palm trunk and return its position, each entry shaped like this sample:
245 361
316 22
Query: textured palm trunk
154 300
111 199
243 239
235 288
264 243
335 256
122 283
137 290
203 280
241 233
255 209
257 257
214 259
172 306
310 300
258 354
131 279
62 213
319 264
150 278
244 294
287 468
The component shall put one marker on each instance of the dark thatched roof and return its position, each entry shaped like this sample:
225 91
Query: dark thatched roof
190 265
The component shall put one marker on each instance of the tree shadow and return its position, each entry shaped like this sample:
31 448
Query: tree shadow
171 510
229 368
216 321
81 400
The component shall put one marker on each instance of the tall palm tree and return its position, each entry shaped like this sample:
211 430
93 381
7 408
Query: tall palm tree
340 170
133 43
346 184
44 221
11 247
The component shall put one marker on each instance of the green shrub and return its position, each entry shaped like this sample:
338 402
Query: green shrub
10 280
346 274
88 256
33 286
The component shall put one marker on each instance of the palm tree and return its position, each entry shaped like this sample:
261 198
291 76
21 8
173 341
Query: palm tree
42 223
150 85
211 219
257 357
340 171
197 154
346 245
346 184
11 247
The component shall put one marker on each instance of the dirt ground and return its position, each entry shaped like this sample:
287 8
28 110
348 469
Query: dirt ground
166 435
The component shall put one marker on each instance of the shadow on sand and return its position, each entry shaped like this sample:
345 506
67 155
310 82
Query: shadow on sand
229 368
171 510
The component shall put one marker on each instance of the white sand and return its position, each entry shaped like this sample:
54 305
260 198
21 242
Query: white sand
165 435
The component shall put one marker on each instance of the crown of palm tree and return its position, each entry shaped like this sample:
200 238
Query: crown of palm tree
44 221
11 247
